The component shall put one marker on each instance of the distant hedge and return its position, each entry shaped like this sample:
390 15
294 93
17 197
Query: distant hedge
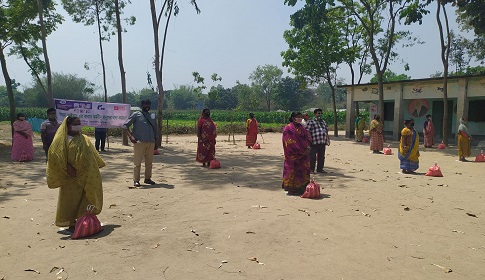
217 115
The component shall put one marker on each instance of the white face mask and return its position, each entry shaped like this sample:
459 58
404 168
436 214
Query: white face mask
298 120
76 128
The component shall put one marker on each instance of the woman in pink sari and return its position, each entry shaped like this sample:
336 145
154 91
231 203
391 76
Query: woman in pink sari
428 132
206 135
22 147
251 131
296 170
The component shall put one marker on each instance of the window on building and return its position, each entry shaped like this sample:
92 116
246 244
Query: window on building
476 110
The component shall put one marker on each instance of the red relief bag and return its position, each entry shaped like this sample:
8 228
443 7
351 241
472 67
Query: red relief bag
480 157
87 225
365 140
387 151
156 152
434 171
214 164
441 146
312 190
256 146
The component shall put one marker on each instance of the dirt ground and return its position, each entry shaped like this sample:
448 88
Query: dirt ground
236 222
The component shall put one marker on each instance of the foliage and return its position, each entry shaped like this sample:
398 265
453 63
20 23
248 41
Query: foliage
246 97
221 98
64 86
471 14
265 81
390 76
183 97
290 94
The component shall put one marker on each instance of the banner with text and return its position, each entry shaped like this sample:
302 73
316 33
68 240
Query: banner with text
97 114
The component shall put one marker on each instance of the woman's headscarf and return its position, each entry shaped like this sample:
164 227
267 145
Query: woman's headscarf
464 126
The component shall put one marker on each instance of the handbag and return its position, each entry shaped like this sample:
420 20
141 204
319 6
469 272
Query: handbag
256 146
214 164
87 225
434 171
441 146
480 157
387 150
312 190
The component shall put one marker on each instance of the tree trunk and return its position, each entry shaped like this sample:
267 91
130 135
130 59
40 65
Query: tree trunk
50 97
445 53
101 52
120 62
8 83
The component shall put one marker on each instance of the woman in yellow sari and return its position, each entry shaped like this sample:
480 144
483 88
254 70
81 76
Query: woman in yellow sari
464 140
73 167
409 148
359 128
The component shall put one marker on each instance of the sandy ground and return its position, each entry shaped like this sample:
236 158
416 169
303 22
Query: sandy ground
237 223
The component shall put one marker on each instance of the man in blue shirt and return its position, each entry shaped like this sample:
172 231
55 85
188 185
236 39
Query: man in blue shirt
144 136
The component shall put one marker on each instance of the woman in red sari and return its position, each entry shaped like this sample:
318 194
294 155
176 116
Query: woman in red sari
251 131
296 170
206 135
428 132
22 146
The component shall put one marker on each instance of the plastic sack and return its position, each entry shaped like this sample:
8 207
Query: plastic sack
312 190
214 164
365 140
434 171
87 225
256 146
156 152
387 151
480 157
441 146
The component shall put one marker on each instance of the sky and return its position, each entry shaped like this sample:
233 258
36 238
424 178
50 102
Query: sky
229 37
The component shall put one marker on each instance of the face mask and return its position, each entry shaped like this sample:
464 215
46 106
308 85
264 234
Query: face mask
378 119
412 124
145 109
22 118
298 120
207 114
76 128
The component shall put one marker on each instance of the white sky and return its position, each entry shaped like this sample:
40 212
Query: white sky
229 37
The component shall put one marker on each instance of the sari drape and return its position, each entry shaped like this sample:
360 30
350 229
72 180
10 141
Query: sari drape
376 136
206 148
409 154
359 129
251 132
22 148
464 140
296 169
75 193
428 133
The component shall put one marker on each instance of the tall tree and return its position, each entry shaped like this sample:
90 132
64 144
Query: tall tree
41 6
265 80
378 19
90 12
19 27
317 45
291 94
445 43
169 8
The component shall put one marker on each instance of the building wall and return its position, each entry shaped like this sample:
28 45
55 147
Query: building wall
417 100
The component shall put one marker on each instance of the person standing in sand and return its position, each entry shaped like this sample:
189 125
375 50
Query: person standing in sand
73 167
251 131
144 138
409 148
48 129
428 132
22 146
464 140
319 134
376 130
206 138
296 167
